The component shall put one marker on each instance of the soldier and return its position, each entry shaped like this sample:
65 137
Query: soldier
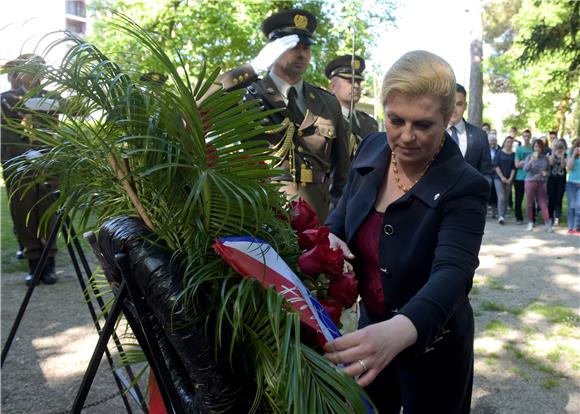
26 205
312 144
340 73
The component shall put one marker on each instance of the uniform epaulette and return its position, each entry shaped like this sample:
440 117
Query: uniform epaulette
322 89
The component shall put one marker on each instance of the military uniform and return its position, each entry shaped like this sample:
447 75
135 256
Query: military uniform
362 123
314 152
27 206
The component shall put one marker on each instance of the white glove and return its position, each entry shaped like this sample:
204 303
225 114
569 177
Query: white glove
31 154
42 104
273 51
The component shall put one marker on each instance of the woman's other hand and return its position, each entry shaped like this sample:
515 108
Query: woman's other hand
366 352
337 243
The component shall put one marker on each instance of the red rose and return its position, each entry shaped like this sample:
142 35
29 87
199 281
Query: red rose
343 289
302 216
333 308
312 237
322 259
210 155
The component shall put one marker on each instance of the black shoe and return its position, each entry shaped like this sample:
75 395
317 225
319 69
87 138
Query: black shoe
32 263
48 277
28 279
19 254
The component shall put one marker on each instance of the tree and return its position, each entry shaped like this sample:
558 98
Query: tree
536 57
227 34
475 113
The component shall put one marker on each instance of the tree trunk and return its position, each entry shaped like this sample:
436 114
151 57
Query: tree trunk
475 113
476 84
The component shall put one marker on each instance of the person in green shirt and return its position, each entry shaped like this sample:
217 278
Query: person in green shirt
521 154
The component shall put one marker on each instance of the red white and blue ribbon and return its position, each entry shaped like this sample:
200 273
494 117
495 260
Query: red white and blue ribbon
255 258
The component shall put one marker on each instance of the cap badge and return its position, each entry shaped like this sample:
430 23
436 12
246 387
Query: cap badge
357 64
300 21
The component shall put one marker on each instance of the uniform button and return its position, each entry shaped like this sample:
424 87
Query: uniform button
300 149
388 229
300 133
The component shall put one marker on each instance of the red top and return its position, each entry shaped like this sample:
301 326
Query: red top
366 246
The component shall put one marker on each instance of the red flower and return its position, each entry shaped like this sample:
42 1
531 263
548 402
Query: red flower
210 155
302 216
333 308
312 237
322 259
343 289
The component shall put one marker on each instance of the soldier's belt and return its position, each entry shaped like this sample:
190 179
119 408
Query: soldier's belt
305 176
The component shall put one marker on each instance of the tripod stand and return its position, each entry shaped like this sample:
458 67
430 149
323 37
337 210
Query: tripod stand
75 249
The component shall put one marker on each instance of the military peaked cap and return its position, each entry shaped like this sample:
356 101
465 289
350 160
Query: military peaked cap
342 66
289 22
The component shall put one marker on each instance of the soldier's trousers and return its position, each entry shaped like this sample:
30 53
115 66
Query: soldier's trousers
27 206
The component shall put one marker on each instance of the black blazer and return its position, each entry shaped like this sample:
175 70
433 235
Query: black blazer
477 152
429 244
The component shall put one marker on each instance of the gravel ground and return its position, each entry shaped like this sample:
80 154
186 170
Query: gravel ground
527 344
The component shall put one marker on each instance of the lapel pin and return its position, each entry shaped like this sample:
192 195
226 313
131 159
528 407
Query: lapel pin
436 196
312 96
270 91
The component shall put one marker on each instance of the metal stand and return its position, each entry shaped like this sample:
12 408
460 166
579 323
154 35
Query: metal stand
73 244
130 301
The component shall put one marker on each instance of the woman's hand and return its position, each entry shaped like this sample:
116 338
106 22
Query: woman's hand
366 352
337 243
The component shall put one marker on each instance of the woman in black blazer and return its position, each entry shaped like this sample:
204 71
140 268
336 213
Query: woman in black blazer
411 220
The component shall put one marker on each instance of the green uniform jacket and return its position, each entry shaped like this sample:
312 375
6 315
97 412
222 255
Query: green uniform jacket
318 160
365 125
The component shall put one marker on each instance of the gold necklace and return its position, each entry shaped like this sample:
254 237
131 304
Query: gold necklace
396 168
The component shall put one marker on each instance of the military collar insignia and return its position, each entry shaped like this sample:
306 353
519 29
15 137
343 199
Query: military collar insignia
312 96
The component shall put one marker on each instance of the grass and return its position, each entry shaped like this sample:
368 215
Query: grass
496 327
557 314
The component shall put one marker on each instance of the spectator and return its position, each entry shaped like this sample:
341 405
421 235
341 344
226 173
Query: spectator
520 156
557 181
573 188
493 150
471 139
514 134
505 171
486 127
552 139
537 168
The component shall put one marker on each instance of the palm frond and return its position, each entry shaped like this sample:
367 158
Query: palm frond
194 169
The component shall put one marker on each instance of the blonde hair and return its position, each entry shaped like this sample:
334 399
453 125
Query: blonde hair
419 73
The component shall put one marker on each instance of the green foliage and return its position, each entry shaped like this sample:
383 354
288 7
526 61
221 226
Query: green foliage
227 34
193 170
535 56
555 314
